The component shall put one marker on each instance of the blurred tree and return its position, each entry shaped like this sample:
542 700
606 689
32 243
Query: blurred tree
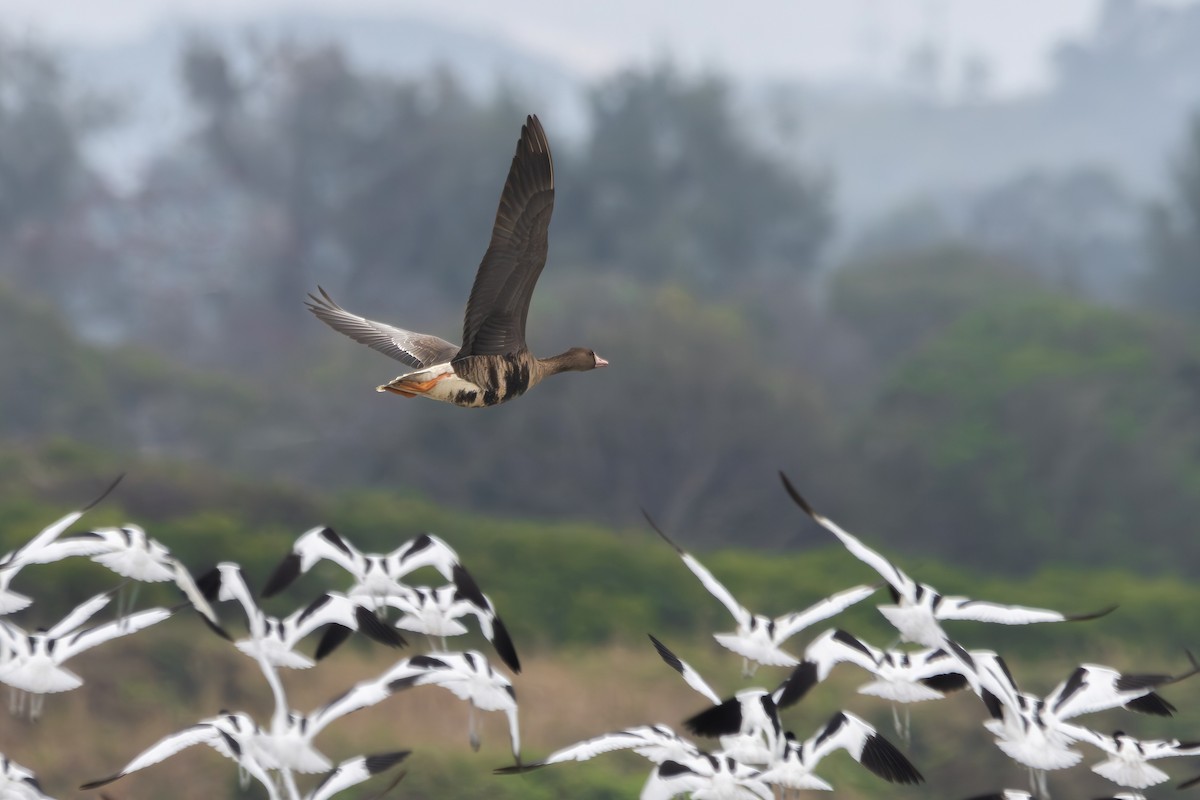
373 180
672 187
44 122
1077 229
1173 235
1027 420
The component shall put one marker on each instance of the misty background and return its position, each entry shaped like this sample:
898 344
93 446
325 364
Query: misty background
957 310
939 262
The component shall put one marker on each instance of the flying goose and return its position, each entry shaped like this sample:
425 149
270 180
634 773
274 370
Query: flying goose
493 364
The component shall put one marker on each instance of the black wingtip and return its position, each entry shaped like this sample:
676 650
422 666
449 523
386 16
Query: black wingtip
716 721
331 640
504 646
105 493
212 626
1189 783
375 628
882 758
283 576
1153 704
797 685
209 584
659 531
796 496
101 782
947 682
1093 615
379 762
517 769
666 655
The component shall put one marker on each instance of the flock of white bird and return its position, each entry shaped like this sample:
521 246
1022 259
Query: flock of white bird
755 757
32 664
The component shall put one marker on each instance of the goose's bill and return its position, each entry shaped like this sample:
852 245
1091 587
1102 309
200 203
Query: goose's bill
601 362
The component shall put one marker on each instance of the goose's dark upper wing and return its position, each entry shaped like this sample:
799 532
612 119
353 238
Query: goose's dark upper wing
499 301
417 350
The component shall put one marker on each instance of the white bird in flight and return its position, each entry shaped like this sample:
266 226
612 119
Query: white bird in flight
276 639
919 609
759 639
234 735
34 552
376 575
33 663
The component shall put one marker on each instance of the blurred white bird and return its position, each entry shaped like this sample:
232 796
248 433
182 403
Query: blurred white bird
34 552
33 664
276 639
376 575
233 735
919 609
470 677
759 639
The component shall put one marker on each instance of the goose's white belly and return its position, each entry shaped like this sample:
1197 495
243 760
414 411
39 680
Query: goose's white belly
443 384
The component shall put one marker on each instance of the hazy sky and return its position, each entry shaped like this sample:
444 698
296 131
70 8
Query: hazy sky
796 38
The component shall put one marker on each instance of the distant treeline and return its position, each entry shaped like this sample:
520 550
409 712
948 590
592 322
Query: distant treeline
948 400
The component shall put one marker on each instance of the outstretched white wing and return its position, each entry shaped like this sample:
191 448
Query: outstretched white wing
789 625
79 615
425 550
898 580
353 772
361 695
85 640
315 544
835 646
707 579
683 668
200 733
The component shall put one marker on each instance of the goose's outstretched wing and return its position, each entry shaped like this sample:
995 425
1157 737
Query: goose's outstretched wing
499 303
417 350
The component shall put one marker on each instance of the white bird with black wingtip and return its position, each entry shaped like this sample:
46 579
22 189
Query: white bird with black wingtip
470 676
276 639
759 639
899 676
35 552
919 609
34 662
376 575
